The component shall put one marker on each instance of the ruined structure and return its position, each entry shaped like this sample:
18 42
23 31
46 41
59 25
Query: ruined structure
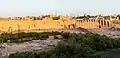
64 22
93 23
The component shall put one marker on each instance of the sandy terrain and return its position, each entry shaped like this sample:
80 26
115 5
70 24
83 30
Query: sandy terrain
9 48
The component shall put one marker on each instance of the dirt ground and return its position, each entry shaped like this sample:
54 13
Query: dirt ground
8 48
106 31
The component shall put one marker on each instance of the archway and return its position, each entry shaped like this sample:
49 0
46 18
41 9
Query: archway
99 26
71 26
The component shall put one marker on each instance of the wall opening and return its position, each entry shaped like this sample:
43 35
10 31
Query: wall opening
69 26
99 26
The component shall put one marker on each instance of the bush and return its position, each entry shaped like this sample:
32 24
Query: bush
78 46
22 36
22 55
65 35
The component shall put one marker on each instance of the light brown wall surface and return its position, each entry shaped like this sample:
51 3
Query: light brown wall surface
12 25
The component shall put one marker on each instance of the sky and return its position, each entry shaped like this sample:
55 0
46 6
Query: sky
73 7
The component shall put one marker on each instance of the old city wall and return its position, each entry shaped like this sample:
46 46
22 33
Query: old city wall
12 25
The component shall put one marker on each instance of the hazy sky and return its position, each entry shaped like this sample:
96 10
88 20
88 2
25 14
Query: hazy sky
35 7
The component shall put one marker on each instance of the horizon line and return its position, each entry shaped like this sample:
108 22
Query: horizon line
61 13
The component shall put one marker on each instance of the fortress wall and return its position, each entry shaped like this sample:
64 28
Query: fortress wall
12 25
29 24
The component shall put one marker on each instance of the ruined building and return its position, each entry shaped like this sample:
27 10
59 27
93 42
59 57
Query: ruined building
64 22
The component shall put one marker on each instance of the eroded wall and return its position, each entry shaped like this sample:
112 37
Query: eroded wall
12 25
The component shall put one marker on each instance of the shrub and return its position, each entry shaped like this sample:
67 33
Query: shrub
78 46
65 35
22 55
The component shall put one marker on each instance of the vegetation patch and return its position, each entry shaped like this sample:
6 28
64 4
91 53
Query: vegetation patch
78 46
22 36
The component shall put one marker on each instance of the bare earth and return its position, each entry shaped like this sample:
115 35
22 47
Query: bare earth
107 32
9 48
